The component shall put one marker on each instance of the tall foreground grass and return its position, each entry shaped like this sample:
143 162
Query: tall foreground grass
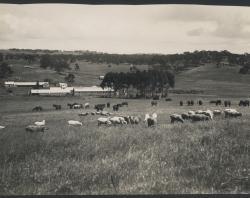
210 157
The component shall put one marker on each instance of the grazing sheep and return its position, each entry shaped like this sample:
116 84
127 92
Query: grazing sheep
74 123
35 128
151 121
42 123
217 112
134 119
146 117
105 121
176 118
93 113
244 103
2 127
191 113
77 106
208 113
227 103
185 116
86 105
83 114
124 103
200 102
99 107
118 120
37 108
232 113
156 97
57 107
153 103
108 104
98 113
216 102
115 108
127 119
105 113
199 117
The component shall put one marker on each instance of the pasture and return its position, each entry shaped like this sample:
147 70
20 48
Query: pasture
205 157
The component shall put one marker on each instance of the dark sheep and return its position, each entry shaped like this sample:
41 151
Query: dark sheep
124 103
115 107
244 103
57 107
227 103
37 108
35 128
99 107
156 97
153 103
200 102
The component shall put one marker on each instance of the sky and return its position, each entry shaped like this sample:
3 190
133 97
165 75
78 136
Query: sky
164 29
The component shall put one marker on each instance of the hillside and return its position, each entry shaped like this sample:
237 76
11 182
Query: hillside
194 70
88 74
222 81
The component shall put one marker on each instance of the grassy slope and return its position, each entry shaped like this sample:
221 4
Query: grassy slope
87 76
224 81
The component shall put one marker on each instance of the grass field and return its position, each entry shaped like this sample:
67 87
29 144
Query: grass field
206 157
209 157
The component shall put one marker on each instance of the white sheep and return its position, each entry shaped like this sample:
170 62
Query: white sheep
86 105
118 120
42 123
102 120
74 122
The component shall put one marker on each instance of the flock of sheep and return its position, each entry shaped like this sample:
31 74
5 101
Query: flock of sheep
110 119
202 115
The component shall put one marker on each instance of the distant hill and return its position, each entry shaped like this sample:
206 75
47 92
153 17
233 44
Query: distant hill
216 73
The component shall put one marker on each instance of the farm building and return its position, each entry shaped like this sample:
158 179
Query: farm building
101 77
58 91
63 85
25 84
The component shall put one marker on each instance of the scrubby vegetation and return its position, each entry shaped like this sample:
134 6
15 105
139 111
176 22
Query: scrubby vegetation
201 158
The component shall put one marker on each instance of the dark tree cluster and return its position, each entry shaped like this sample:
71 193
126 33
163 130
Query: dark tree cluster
57 62
5 70
152 80
70 78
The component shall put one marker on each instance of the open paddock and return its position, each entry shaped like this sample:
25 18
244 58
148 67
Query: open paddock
204 157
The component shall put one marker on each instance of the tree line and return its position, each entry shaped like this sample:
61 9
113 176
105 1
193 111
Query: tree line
175 62
152 81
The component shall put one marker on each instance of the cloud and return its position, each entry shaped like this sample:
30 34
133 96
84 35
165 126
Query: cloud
124 29
195 32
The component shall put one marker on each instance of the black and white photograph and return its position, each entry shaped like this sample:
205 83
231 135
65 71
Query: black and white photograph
119 99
